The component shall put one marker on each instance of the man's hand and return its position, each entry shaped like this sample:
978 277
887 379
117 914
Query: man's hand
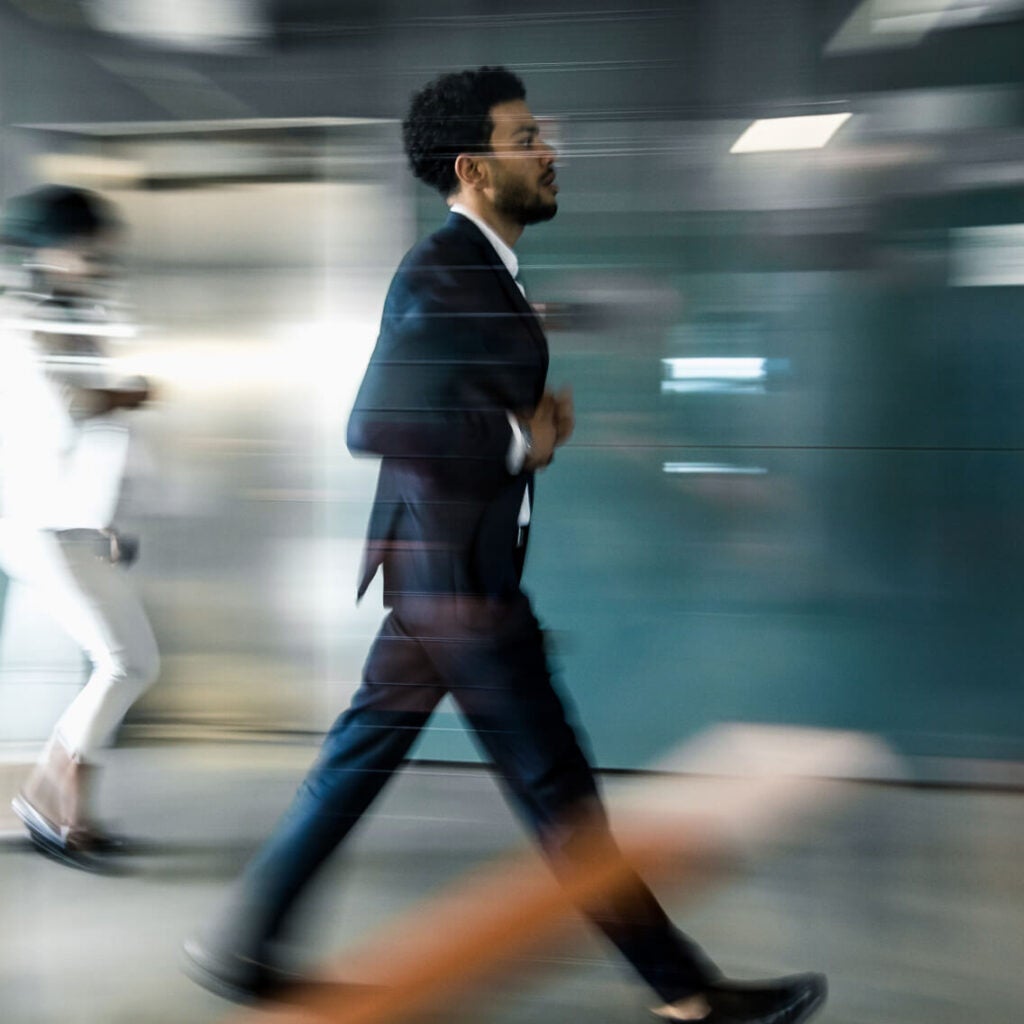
543 432
565 415
551 424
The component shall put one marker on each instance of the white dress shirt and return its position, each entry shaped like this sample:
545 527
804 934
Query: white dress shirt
517 448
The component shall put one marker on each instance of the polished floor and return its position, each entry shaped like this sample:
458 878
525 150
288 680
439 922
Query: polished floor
912 900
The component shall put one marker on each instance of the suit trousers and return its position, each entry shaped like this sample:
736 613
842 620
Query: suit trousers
489 655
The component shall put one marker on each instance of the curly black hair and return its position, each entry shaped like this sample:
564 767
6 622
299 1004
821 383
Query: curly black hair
451 115
54 214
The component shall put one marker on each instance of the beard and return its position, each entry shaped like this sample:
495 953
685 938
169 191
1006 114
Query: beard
519 204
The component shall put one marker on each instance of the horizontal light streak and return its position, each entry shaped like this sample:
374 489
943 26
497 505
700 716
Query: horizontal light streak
712 469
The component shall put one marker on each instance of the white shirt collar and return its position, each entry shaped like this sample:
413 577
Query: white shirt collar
504 251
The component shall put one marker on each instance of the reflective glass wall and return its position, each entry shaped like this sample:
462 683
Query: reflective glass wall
793 492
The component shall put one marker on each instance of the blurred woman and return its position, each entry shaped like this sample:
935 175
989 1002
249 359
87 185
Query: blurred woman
62 451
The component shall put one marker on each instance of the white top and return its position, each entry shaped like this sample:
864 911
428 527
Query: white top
58 470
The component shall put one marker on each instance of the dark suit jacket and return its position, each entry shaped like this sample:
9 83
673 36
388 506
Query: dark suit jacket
459 348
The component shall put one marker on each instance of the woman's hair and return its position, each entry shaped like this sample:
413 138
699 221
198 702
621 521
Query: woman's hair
451 115
52 215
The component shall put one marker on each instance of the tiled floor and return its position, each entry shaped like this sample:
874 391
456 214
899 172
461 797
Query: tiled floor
912 900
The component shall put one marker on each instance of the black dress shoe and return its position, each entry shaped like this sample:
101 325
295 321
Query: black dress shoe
787 1000
240 979
248 980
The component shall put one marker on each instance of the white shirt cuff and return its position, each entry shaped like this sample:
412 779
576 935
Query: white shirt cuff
517 447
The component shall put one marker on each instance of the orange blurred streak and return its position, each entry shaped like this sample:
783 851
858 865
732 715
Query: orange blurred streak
456 939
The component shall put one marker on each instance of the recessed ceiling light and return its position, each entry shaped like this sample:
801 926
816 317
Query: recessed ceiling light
774 134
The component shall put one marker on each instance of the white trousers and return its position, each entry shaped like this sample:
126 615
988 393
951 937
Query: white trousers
94 602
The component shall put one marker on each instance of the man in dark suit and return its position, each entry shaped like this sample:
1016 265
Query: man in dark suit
454 402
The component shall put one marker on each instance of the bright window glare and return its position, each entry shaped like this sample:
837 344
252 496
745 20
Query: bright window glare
774 134
721 374
715 367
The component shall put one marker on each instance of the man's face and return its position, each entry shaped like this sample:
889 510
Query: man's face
523 178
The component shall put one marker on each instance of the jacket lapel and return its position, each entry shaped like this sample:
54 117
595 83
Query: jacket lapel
517 298
508 284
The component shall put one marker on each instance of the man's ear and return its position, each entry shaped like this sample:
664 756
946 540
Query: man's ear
471 171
